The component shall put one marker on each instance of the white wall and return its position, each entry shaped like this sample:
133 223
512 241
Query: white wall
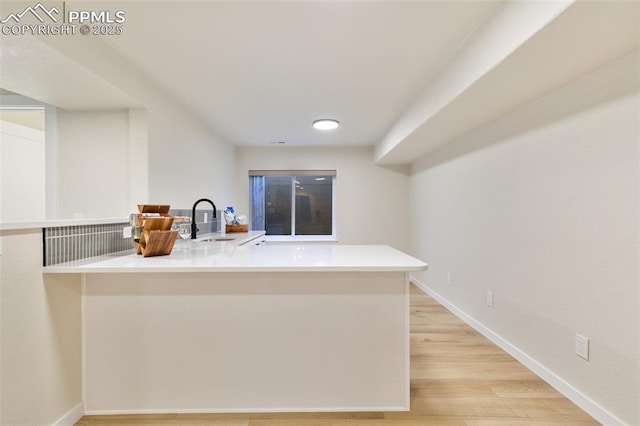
40 326
93 163
372 202
186 160
22 171
541 208
183 158
110 161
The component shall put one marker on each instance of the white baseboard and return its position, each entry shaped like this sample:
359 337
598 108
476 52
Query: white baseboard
71 417
591 407
244 410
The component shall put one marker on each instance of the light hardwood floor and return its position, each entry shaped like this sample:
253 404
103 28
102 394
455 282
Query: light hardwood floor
458 377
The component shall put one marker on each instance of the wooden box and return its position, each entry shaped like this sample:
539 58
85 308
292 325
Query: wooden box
236 228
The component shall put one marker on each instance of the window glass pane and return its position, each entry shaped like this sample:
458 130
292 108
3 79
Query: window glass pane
291 204
278 205
257 208
313 205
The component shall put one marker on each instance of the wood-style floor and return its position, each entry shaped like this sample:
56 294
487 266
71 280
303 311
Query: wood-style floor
458 377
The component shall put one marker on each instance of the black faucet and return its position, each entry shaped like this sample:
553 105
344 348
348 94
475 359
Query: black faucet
194 228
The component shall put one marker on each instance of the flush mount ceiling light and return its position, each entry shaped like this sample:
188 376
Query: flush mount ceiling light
325 124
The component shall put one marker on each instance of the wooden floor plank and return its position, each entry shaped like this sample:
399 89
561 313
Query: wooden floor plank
344 415
458 378
387 422
497 407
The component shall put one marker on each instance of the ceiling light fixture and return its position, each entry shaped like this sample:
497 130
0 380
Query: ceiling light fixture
325 124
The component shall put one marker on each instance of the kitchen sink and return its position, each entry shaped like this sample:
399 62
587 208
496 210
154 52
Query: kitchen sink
215 239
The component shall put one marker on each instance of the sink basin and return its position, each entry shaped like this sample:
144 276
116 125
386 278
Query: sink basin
215 239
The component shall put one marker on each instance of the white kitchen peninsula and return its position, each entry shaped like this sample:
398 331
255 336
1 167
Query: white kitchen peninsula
226 327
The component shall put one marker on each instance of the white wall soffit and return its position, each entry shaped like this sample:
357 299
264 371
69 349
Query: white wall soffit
615 80
525 51
32 68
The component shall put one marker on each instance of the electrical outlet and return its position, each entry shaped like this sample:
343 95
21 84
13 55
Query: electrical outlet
490 299
582 346
449 278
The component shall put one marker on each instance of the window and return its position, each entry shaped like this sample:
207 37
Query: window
293 204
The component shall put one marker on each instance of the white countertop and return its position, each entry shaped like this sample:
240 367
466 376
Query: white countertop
198 256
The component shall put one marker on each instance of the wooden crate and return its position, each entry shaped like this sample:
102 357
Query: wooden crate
236 228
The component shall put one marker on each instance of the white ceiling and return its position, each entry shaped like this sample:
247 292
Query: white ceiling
549 46
34 69
260 72
404 76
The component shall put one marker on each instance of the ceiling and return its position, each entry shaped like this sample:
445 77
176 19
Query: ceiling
32 68
403 76
261 72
